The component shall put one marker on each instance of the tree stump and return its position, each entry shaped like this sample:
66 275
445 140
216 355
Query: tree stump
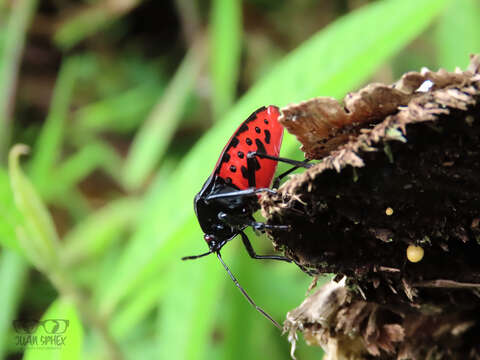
399 169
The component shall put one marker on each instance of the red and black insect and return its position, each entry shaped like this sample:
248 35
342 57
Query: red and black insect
226 203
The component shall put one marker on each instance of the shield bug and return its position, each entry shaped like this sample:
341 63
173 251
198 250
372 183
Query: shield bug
246 167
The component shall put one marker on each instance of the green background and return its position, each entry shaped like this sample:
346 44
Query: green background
125 106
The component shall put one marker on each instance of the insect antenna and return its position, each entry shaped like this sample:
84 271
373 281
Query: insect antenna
249 299
193 257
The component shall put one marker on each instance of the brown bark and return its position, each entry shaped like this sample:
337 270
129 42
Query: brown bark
400 166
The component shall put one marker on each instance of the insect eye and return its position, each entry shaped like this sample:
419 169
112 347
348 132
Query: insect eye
208 238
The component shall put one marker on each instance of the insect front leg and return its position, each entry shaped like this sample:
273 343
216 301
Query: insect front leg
240 220
260 226
239 193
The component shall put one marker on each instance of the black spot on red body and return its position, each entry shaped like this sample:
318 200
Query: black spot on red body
233 168
228 180
244 172
260 147
262 133
267 136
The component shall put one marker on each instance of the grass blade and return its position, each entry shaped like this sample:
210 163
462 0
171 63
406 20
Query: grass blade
120 113
181 318
48 146
38 236
13 271
14 39
93 155
225 50
456 34
143 303
90 20
61 313
10 218
154 136
99 231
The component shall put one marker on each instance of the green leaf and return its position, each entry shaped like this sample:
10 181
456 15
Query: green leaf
13 271
10 218
120 113
88 21
47 150
140 305
11 49
63 330
99 231
239 319
154 136
37 236
187 314
225 51
456 34
332 62
78 166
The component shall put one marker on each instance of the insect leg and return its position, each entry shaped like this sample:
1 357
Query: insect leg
276 181
247 192
253 254
304 164
260 226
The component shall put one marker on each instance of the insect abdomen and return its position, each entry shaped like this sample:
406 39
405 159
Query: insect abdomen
262 133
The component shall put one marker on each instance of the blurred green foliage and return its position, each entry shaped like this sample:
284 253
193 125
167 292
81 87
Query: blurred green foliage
125 106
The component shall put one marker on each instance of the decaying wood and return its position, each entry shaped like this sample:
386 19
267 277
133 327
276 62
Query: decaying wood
399 166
